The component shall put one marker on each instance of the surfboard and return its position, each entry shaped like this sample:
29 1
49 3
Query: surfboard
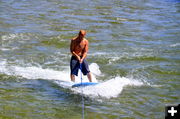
84 84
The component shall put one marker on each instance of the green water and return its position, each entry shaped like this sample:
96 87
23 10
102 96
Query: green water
138 40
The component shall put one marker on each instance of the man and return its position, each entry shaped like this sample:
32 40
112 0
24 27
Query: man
79 49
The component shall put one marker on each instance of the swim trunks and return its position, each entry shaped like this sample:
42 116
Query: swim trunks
75 66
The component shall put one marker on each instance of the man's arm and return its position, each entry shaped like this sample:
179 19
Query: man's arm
85 50
72 50
71 46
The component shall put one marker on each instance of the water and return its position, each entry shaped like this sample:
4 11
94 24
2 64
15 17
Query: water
134 54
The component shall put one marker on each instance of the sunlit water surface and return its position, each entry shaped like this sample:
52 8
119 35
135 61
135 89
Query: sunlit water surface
134 54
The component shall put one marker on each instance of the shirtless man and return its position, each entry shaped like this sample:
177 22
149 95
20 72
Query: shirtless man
79 49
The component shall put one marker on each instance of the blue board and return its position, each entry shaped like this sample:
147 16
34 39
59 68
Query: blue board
84 84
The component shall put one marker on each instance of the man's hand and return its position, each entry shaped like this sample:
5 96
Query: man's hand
81 60
78 58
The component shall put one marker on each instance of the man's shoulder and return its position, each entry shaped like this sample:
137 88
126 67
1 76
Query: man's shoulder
73 39
85 40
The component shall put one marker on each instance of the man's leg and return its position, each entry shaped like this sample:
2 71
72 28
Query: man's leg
72 77
89 76
86 71
74 66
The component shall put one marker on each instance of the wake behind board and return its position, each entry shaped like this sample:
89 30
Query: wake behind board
83 84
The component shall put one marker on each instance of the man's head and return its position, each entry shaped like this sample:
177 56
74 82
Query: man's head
82 33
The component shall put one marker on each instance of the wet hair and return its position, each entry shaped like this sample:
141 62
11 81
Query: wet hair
82 32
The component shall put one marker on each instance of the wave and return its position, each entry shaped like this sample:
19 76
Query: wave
18 37
175 45
40 73
12 42
107 89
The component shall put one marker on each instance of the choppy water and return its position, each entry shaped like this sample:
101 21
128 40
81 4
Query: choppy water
134 53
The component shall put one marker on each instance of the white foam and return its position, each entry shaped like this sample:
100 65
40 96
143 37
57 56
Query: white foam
14 36
114 59
4 49
40 73
97 54
3 68
94 68
8 48
174 45
108 89
8 37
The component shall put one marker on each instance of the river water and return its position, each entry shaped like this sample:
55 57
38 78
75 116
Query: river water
134 54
